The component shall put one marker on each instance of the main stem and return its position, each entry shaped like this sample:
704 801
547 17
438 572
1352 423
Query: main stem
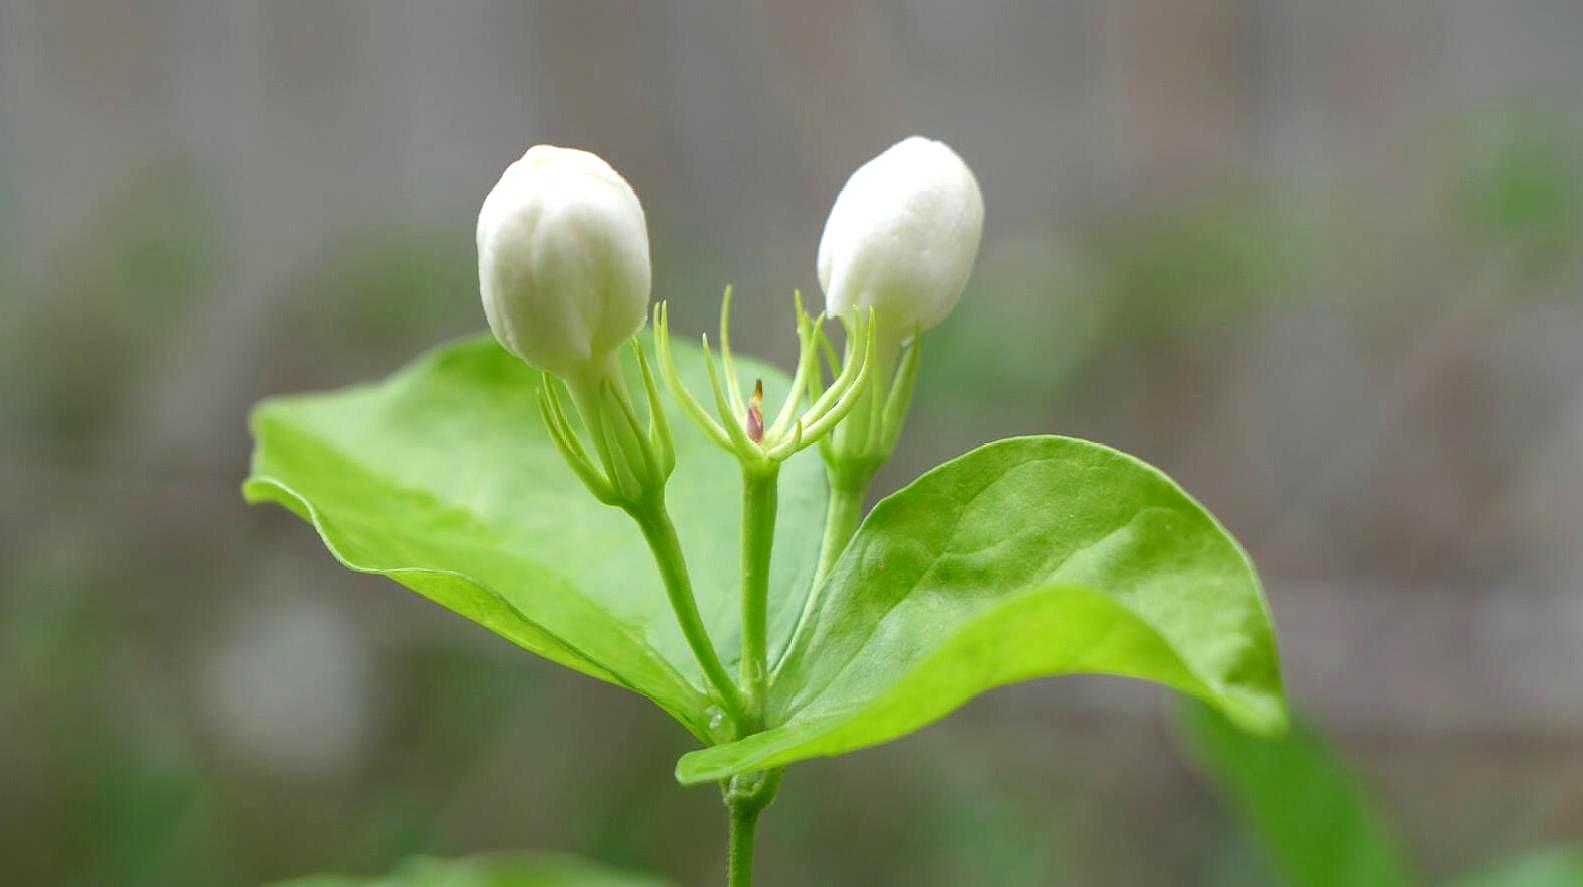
759 497
746 796
744 824
660 533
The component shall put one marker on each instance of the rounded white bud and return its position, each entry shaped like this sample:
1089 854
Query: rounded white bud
563 260
902 237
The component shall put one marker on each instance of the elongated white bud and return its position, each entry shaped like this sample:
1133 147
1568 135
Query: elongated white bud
902 237
563 261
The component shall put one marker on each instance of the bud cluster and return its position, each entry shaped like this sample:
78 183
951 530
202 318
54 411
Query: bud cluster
563 263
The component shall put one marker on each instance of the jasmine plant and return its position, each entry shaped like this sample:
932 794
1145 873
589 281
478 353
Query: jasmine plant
518 480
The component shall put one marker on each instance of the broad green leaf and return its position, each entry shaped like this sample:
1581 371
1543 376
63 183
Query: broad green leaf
1555 867
527 870
1027 557
444 479
1310 814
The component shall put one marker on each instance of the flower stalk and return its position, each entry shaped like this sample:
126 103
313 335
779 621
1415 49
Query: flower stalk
660 533
634 462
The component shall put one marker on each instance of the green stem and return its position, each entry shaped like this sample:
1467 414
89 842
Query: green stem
746 797
744 822
660 533
759 495
842 515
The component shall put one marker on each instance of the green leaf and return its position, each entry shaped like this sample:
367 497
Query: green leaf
1554 867
1025 558
527 870
1310 814
444 479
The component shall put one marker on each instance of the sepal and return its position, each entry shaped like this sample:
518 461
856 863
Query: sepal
739 425
635 458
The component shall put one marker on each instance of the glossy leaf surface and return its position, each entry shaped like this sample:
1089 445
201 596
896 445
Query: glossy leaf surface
527 870
1309 813
444 479
1025 558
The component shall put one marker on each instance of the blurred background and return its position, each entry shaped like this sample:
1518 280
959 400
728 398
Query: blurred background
1319 261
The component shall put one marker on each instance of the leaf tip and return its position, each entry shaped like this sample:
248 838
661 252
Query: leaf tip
255 490
701 766
1264 715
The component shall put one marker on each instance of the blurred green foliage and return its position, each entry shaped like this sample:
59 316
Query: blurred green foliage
1310 813
502 871
1215 262
400 287
1521 191
1556 867
77 352
1315 819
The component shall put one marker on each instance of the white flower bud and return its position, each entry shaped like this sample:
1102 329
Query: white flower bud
902 237
563 260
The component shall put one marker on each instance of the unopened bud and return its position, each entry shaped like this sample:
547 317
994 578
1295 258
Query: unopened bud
902 237
563 260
